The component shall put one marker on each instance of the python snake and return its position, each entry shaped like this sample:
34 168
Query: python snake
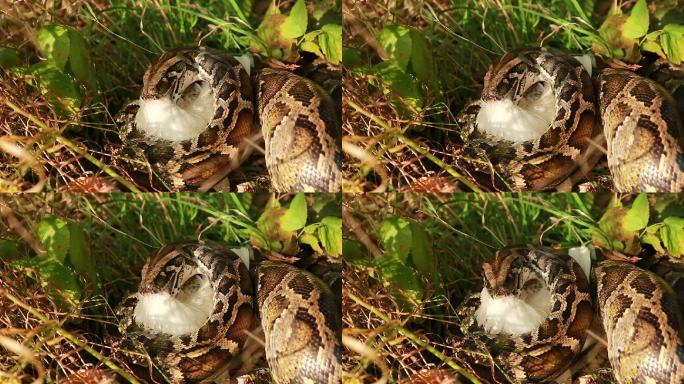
299 315
637 117
640 314
195 120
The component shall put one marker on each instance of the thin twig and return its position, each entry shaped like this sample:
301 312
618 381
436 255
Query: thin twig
72 338
416 339
414 146
72 146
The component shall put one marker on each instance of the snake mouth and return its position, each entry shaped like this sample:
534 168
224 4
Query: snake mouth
522 118
177 315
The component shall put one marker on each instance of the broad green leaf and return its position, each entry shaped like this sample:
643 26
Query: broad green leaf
672 235
54 43
8 250
311 240
53 233
421 250
295 216
310 46
79 254
59 87
395 234
52 272
396 41
637 216
673 46
295 23
401 84
351 57
351 249
401 276
330 41
651 237
421 57
9 57
330 234
676 29
79 60
637 22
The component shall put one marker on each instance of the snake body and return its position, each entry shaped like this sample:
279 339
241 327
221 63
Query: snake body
644 133
643 322
300 319
544 162
300 123
639 311
638 118
545 352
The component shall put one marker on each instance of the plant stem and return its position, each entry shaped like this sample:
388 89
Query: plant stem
72 146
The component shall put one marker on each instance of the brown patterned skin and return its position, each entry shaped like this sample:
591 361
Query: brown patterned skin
288 299
644 133
193 357
543 163
302 133
643 322
545 352
300 123
185 165
302 346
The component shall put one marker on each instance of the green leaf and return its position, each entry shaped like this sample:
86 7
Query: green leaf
59 87
52 272
400 83
295 216
421 250
53 233
421 57
351 249
79 254
8 250
673 46
312 240
637 216
54 43
330 234
651 237
396 237
9 57
672 235
401 276
351 57
79 60
296 22
396 41
637 22
330 41
310 46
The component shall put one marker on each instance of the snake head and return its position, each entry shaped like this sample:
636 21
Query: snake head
500 277
170 75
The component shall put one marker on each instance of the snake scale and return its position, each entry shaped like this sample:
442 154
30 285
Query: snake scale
197 116
299 315
638 118
640 314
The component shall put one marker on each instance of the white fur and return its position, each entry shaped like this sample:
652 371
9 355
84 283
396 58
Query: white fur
166 314
513 315
164 119
504 120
